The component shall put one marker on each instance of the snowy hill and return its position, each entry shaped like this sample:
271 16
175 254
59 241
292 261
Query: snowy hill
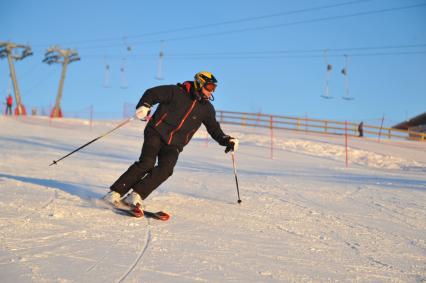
304 216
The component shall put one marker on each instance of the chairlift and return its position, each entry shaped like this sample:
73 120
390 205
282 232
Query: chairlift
3 50
329 69
50 59
21 51
160 63
345 74
27 52
106 75
124 84
73 58
128 47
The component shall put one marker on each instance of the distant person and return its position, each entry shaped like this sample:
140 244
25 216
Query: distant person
181 110
9 103
361 129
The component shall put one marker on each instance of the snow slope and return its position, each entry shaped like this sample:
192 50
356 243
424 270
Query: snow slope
304 216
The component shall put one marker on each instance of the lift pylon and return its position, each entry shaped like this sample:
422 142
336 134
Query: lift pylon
6 50
64 56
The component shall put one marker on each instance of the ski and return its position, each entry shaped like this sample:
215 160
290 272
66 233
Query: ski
133 211
159 215
137 212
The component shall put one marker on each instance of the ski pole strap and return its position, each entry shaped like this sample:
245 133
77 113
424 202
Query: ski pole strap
92 141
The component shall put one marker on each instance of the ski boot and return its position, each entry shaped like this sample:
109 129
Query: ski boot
112 198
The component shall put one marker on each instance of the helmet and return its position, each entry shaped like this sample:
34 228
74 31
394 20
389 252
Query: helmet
203 78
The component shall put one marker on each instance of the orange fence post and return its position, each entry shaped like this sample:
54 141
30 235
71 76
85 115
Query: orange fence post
381 128
346 142
50 116
91 117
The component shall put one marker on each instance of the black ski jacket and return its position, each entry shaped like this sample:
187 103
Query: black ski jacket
180 113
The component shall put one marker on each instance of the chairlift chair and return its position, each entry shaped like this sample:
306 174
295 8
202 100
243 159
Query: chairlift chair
106 76
124 84
345 74
329 69
160 63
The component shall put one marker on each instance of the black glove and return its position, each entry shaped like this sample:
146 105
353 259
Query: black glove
231 144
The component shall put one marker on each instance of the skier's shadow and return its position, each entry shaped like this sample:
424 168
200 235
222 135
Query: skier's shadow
71 188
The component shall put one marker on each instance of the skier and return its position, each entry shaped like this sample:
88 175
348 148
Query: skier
181 111
361 129
9 103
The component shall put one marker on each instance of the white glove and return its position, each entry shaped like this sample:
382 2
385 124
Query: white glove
142 112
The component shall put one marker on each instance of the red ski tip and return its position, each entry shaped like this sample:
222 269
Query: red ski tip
163 216
137 211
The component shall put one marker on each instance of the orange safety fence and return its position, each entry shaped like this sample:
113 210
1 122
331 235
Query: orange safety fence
313 125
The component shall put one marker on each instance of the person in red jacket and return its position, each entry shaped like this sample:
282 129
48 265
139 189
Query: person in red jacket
181 111
9 103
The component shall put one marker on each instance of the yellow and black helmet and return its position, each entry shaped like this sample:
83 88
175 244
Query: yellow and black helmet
203 78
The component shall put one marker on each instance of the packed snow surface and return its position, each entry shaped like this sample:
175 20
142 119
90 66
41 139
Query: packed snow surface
304 216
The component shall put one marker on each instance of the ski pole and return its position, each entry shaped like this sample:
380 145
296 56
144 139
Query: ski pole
92 141
235 173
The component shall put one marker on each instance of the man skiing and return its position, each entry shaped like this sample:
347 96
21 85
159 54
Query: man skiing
181 111
9 103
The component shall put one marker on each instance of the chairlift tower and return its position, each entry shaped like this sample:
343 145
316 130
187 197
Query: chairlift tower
15 52
64 56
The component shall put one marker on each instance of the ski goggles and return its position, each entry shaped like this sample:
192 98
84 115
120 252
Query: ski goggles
210 87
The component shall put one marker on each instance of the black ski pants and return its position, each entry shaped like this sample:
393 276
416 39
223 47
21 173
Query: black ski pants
144 176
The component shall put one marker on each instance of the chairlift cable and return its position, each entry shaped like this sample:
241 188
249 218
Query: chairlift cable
106 74
124 84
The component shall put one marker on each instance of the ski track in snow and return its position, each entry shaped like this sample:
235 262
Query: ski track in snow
138 258
141 254
107 253
304 217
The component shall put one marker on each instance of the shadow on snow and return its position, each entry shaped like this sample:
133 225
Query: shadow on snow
80 190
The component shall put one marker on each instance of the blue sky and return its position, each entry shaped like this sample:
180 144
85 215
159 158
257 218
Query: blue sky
267 55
